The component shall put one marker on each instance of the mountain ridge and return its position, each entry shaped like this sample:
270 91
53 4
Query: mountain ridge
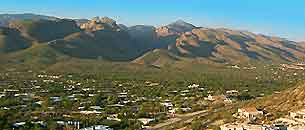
5 19
103 38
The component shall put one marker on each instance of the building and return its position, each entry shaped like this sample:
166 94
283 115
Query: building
193 86
218 98
298 127
286 121
232 92
249 113
238 126
97 127
231 127
146 121
298 114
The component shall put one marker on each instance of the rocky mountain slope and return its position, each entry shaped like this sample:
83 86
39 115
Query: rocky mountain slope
289 100
11 40
224 45
103 38
175 28
45 30
157 58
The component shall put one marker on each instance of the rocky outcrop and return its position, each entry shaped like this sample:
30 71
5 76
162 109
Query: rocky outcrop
175 28
98 23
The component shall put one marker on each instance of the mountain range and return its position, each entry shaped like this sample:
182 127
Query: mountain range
44 39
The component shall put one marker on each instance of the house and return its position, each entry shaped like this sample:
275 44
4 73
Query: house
185 91
249 112
167 104
146 121
81 108
90 112
235 67
274 127
55 99
298 127
116 105
39 102
123 95
219 98
286 121
19 124
252 127
10 92
41 123
186 109
298 114
210 98
193 86
96 108
238 126
232 92
97 127
153 84
113 117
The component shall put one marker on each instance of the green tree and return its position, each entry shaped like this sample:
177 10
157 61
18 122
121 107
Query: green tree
112 100
196 125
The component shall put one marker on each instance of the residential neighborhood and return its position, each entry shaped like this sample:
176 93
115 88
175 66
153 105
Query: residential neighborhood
84 102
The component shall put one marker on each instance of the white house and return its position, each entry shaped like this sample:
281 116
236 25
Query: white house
287 121
249 112
146 121
298 127
97 127
241 127
298 114
193 86
232 92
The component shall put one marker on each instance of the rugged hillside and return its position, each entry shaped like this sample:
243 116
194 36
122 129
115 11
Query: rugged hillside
175 28
224 45
168 34
150 38
36 55
146 36
157 57
5 19
289 100
45 30
103 38
103 44
97 24
94 42
11 40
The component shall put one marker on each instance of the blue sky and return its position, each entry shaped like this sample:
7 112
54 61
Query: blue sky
284 18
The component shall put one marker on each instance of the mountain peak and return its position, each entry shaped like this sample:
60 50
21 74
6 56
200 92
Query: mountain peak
104 20
181 22
100 23
180 26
